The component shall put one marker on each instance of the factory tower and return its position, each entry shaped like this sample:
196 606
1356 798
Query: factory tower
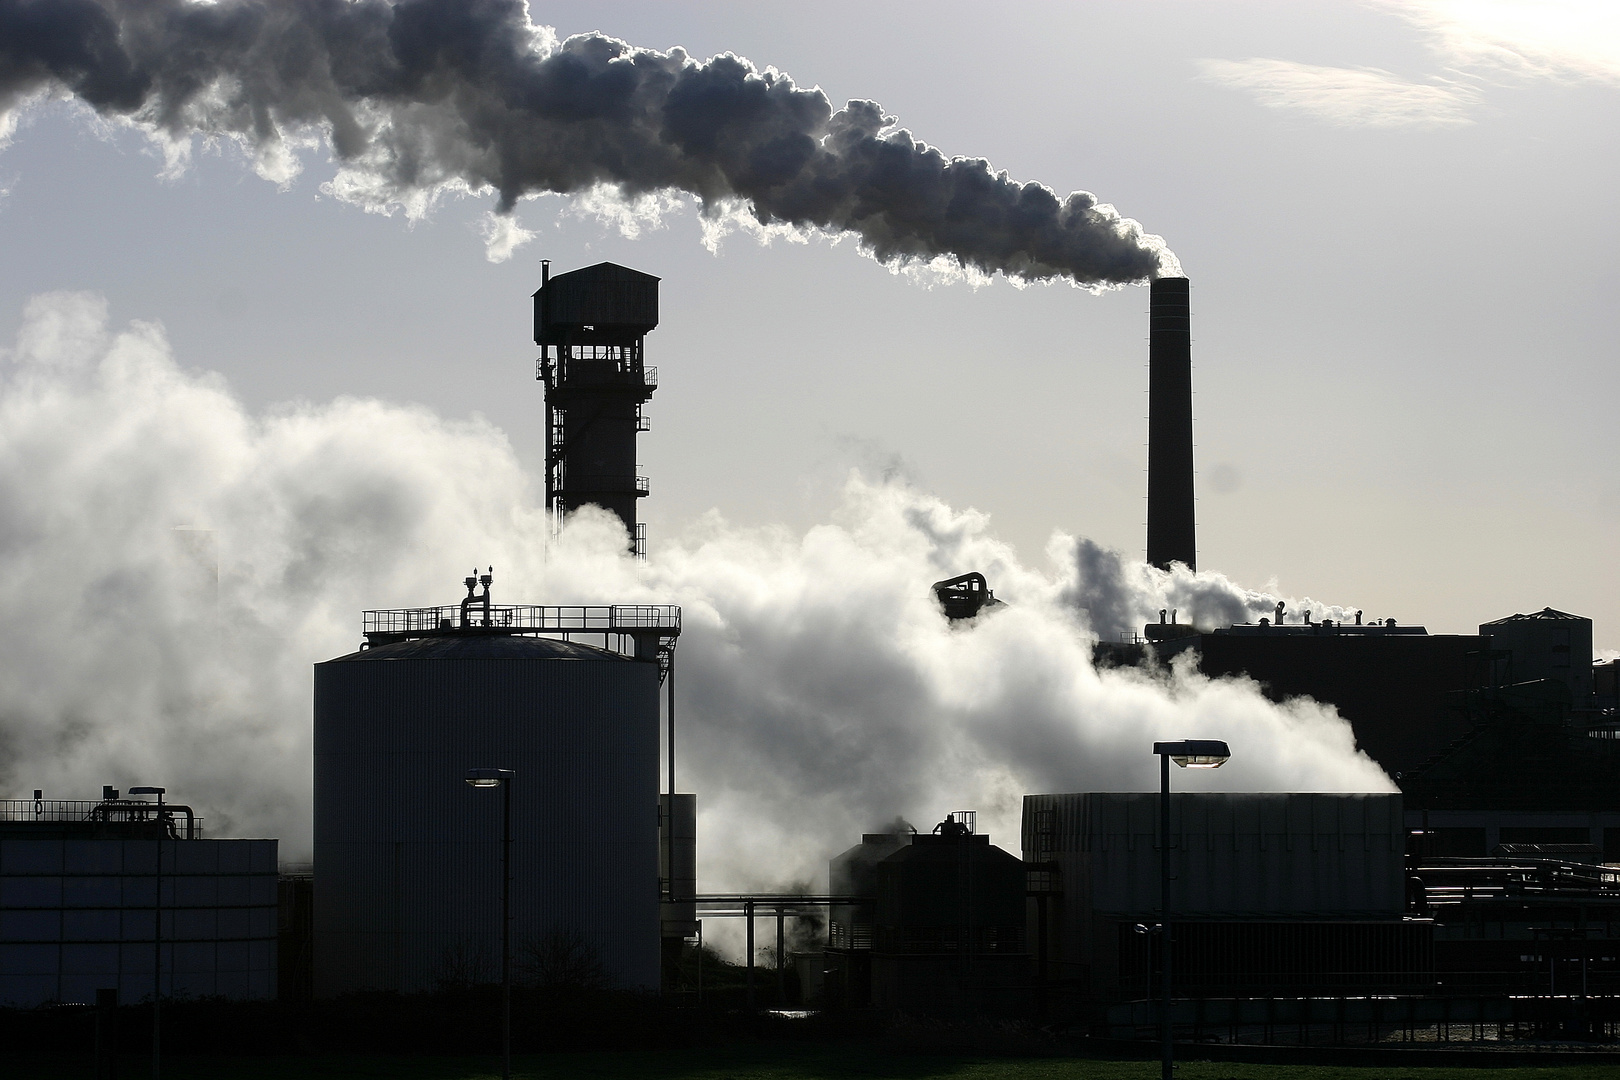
590 326
1170 531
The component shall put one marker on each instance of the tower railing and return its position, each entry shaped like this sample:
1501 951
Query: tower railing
607 483
649 374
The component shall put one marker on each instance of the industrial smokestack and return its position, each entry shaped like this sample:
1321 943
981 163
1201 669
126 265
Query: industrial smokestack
1170 442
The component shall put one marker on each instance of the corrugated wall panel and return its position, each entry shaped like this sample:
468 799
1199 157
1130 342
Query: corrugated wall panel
76 915
1283 855
407 856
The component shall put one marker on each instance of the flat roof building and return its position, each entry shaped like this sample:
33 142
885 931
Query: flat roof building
83 884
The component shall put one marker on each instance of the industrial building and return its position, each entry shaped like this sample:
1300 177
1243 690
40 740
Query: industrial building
1270 894
1503 744
99 894
1547 645
1405 692
1483 875
1495 738
1490 872
935 923
1491 737
1409 695
408 857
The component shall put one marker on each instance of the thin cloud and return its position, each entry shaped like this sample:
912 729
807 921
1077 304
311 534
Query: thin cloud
1474 41
1353 97
1546 39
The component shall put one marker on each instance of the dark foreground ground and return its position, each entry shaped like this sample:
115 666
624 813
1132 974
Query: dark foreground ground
768 1062
569 1032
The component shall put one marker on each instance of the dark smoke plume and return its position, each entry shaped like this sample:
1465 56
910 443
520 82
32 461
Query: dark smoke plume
426 96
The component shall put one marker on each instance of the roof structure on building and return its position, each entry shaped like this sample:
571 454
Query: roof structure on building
483 646
604 271
1545 614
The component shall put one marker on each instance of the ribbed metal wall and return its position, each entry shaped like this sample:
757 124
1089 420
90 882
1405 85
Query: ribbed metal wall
76 915
1250 857
407 856
1301 855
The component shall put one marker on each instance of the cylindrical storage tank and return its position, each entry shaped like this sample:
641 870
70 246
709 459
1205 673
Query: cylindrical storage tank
408 856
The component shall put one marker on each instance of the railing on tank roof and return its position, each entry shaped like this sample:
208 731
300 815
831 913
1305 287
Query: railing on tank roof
603 618
128 810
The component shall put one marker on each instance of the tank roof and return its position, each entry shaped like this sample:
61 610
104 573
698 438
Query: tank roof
1545 614
483 646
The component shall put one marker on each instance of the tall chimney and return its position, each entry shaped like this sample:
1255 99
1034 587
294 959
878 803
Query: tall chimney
1170 535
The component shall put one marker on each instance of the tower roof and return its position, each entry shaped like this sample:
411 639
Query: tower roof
603 271
602 304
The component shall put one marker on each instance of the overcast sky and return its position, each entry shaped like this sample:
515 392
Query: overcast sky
1399 223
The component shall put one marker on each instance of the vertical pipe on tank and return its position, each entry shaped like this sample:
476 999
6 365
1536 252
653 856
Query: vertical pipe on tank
157 963
748 917
1170 520
781 964
669 837
506 929
1166 1036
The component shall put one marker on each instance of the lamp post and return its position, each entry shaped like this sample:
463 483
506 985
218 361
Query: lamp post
502 778
1189 754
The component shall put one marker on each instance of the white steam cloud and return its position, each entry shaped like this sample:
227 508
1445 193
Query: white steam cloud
821 691
1120 594
423 98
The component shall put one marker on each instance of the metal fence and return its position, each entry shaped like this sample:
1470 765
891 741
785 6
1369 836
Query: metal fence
60 810
1370 1020
615 618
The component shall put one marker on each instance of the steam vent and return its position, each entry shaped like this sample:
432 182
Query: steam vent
1170 442
589 325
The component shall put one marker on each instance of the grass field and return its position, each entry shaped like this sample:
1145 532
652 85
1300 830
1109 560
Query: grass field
765 1062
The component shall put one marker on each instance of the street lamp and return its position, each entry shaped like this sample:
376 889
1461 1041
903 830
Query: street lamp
502 778
1189 754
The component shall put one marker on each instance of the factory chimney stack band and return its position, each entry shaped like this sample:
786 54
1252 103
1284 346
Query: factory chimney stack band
1170 522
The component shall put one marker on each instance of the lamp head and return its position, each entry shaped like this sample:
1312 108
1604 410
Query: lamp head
488 778
1195 753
